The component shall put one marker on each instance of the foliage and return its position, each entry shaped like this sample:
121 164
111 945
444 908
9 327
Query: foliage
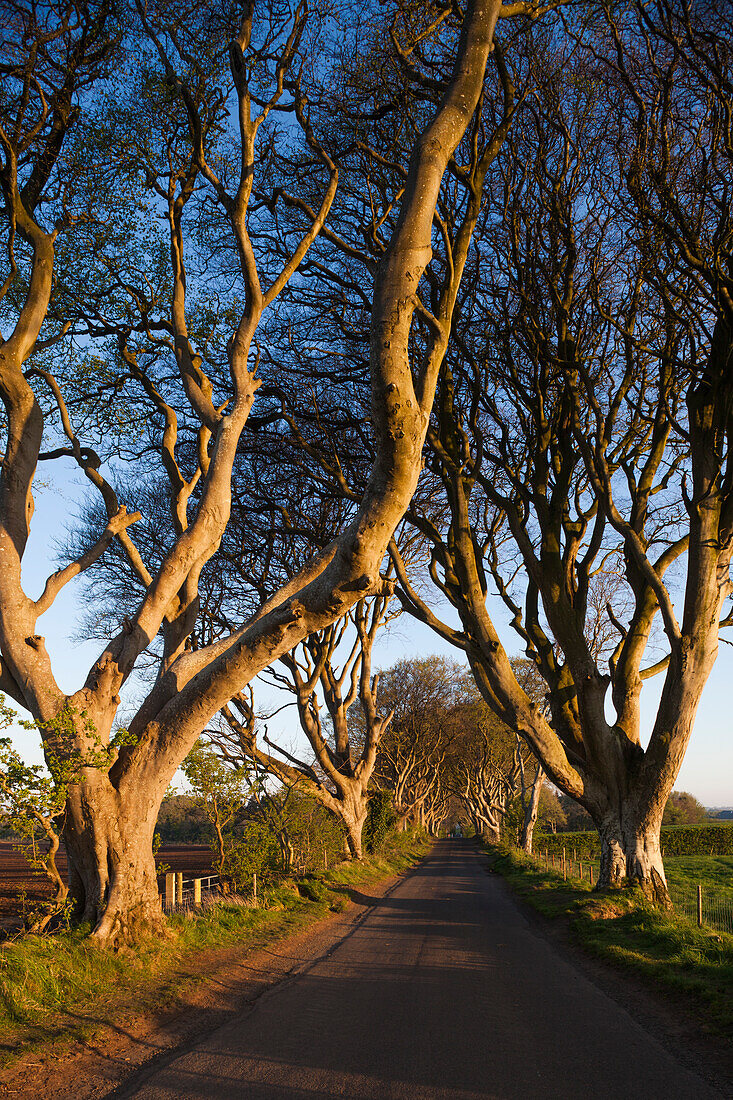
577 819
285 831
711 839
220 789
32 804
683 809
552 816
256 852
381 818
182 820
698 840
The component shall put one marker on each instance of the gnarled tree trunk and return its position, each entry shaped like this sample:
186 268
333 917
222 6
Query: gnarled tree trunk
112 878
353 812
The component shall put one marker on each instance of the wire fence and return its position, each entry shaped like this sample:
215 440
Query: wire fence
694 902
196 892
704 908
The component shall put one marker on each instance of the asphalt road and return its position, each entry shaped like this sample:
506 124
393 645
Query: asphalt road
444 990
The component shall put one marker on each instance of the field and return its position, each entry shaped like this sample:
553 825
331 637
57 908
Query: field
18 881
713 874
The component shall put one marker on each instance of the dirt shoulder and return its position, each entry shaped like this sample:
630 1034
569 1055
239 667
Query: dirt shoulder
209 989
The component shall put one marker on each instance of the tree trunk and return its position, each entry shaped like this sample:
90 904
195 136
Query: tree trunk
287 853
113 884
353 815
531 812
631 854
220 846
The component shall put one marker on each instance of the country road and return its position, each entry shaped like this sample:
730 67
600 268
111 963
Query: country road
443 991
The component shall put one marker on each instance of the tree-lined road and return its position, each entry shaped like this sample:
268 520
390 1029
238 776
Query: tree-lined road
443 991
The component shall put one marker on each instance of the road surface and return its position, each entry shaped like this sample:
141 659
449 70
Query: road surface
443 991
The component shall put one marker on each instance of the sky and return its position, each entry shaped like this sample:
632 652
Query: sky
707 771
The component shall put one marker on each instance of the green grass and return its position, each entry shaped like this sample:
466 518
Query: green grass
713 873
665 949
62 987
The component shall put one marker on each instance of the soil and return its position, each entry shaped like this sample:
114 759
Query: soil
20 886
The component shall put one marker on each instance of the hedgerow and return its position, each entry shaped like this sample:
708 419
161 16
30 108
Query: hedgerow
708 839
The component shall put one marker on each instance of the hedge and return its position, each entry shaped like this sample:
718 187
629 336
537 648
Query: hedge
677 840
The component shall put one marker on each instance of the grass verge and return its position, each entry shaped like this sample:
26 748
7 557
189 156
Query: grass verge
61 987
665 949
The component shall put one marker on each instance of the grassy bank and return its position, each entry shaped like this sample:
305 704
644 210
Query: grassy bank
620 926
62 987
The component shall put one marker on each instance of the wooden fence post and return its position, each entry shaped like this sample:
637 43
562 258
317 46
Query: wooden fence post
170 891
179 888
197 891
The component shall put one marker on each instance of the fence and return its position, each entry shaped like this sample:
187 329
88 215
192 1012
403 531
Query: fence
569 866
197 892
188 893
707 910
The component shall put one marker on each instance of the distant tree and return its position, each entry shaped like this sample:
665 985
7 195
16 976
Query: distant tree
332 669
181 819
577 820
487 774
551 813
221 789
532 779
683 809
423 696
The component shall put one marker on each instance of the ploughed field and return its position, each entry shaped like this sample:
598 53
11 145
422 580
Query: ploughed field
20 885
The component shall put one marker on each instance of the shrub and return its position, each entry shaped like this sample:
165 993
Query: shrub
677 840
255 853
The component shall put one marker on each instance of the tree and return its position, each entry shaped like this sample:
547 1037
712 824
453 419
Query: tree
220 789
421 696
145 319
552 815
343 764
683 809
182 820
533 685
486 781
582 426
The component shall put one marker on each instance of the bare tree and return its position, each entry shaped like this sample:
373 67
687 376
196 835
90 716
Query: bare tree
112 810
592 424
534 687
342 769
486 783
422 698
